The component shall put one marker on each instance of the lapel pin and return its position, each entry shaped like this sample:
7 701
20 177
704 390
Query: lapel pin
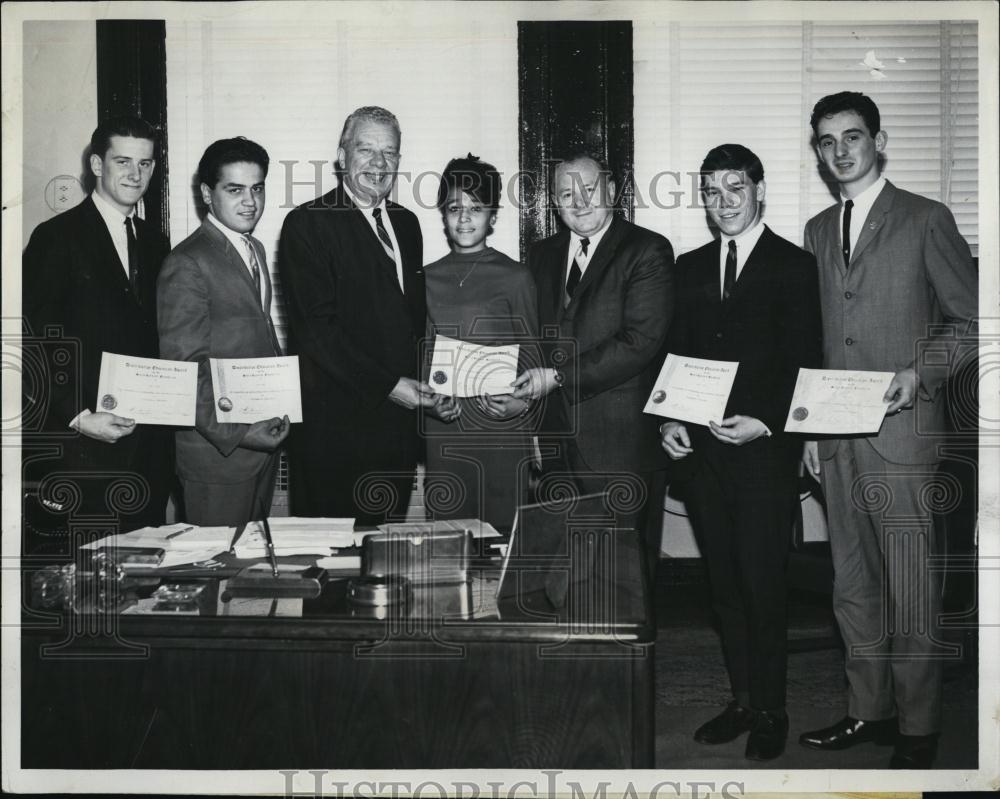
872 225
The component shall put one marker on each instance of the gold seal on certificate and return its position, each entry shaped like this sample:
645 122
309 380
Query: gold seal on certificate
249 390
148 390
692 390
462 369
838 402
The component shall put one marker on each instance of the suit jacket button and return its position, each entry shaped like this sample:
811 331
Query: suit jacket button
848 341
718 335
848 295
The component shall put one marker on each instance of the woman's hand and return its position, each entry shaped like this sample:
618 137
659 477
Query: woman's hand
501 406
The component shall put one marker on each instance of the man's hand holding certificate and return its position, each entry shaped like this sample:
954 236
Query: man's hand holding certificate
462 369
249 390
148 390
692 389
838 402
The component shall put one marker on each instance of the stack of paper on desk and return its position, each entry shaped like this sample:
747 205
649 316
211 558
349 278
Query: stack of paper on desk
480 529
181 543
297 536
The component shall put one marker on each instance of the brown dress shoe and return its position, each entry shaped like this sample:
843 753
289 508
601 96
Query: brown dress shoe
727 726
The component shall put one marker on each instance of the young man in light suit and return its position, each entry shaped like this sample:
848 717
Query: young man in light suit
214 301
895 273
750 297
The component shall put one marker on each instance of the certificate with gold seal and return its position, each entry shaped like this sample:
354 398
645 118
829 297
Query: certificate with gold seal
248 390
462 369
148 390
838 402
692 390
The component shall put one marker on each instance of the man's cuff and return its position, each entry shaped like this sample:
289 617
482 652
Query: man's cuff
75 421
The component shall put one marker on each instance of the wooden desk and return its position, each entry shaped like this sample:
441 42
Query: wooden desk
336 688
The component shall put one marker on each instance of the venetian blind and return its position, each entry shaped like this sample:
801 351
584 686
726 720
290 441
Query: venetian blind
922 76
756 84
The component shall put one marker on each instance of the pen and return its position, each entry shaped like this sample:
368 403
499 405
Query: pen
270 547
176 533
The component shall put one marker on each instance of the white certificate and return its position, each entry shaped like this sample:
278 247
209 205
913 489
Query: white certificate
461 369
692 390
148 390
838 402
249 390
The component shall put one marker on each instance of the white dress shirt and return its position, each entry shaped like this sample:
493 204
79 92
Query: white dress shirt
859 213
240 244
115 220
574 248
745 242
367 211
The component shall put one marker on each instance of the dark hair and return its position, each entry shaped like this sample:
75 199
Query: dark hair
476 178
861 104
230 151
733 157
134 127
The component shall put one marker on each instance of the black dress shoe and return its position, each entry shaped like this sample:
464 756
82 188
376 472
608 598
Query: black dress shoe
850 731
727 726
767 736
914 751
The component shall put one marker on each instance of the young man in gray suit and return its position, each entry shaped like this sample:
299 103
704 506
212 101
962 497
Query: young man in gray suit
894 274
214 301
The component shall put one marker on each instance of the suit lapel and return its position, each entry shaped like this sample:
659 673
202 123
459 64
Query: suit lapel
876 219
602 256
551 273
106 259
751 267
232 258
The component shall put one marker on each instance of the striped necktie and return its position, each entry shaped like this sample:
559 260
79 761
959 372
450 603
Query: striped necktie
254 266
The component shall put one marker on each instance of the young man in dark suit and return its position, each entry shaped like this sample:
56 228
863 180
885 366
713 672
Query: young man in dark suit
605 285
215 302
752 297
898 289
351 269
89 278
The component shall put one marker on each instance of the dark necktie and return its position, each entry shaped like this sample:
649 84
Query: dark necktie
383 234
133 258
729 279
845 234
575 272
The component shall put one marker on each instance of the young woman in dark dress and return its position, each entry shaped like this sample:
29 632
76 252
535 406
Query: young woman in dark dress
478 449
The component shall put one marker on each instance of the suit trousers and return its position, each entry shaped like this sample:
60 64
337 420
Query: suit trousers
352 475
885 595
231 504
744 521
638 504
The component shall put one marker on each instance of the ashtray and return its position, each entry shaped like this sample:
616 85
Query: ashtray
178 593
